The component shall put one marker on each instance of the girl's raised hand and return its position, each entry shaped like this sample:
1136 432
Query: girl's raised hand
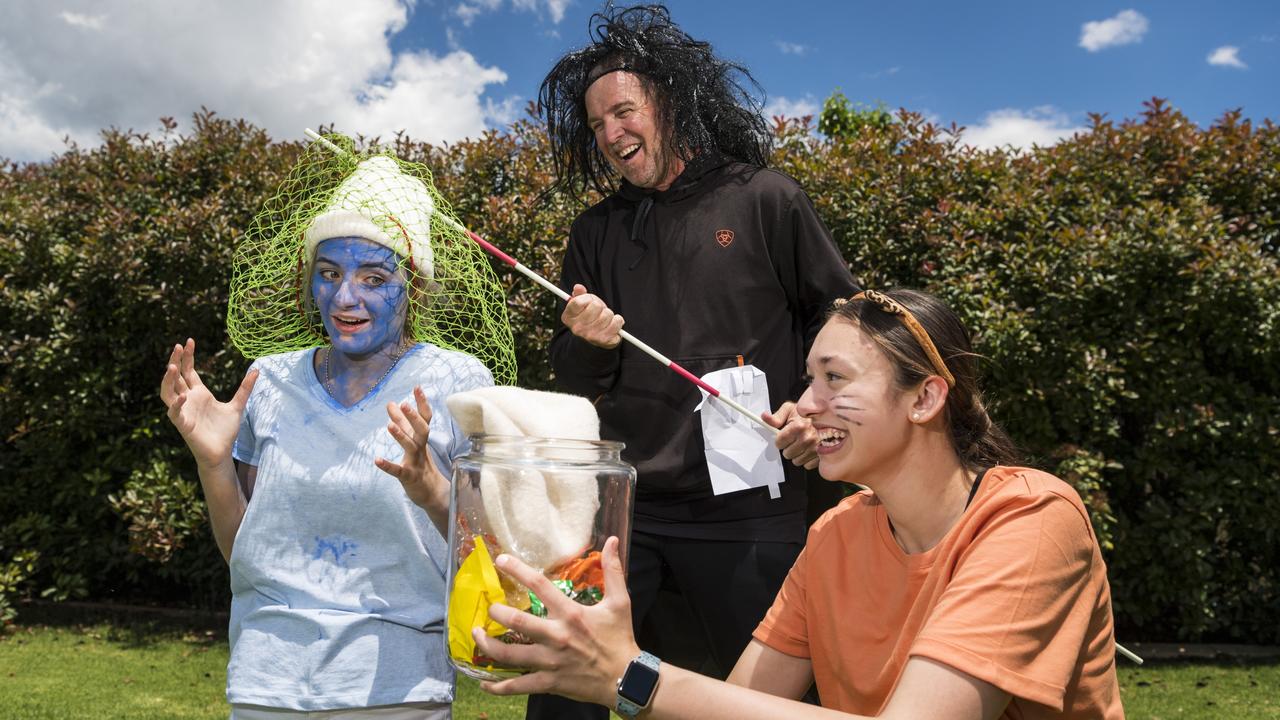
208 426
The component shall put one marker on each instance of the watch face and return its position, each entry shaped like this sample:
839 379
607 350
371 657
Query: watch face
638 683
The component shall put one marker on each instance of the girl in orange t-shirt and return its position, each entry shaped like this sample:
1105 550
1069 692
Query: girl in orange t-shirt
955 586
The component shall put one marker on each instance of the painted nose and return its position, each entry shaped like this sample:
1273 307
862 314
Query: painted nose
345 296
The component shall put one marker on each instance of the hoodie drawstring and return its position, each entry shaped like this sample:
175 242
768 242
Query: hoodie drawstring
642 212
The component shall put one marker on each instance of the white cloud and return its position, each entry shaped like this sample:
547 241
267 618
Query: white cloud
1043 126
469 10
503 112
451 39
887 72
21 127
419 86
790 48
555 8
92 22
1127 27
1227 56
284 65
791 108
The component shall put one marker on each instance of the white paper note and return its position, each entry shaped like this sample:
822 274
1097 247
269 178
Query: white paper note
740 453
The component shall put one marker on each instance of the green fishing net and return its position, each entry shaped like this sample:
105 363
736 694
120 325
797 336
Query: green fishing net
336 191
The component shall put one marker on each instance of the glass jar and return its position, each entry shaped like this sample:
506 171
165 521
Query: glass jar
550 502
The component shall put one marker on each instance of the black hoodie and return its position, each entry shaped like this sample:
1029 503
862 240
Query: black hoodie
730 261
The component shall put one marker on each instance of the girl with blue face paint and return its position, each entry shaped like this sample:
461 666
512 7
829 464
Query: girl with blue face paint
337 573
361 295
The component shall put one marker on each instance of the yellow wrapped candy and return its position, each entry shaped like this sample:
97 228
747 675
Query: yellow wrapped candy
475 587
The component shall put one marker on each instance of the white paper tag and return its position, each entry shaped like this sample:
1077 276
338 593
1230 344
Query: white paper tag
740 453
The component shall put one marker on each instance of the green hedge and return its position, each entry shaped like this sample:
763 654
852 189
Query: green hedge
1124 284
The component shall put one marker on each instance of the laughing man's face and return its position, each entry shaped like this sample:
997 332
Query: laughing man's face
623 116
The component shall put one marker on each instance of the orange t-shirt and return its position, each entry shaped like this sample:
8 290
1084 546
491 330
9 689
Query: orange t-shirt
1015 594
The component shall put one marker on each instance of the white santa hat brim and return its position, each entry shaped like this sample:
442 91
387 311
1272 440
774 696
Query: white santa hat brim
379 203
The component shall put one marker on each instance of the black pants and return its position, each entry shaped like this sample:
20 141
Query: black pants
729 586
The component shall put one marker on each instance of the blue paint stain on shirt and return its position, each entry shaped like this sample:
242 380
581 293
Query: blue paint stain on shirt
340 548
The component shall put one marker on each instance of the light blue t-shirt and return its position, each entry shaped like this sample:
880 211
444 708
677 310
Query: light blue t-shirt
337 579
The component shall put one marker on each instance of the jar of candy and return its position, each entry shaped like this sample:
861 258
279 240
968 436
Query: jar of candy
551 503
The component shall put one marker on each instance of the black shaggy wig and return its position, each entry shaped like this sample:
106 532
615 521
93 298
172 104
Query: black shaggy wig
703 102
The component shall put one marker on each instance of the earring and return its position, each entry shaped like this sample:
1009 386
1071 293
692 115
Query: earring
915 416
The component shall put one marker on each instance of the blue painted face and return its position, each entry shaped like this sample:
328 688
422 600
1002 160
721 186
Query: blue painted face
361 295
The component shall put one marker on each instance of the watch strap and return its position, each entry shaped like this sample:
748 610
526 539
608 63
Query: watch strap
628 707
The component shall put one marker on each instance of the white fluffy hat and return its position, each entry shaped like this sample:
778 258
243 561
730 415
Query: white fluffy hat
378 202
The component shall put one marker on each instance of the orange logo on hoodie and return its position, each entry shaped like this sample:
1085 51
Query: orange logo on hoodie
724 237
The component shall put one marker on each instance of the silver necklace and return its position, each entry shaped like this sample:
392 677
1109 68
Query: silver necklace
328 381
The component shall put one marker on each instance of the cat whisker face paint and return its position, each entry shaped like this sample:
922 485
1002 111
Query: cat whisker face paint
845 410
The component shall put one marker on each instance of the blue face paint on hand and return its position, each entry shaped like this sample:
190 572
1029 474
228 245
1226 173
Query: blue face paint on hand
361 295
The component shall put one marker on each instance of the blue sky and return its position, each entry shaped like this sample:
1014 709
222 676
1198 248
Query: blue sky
952 61
1011 72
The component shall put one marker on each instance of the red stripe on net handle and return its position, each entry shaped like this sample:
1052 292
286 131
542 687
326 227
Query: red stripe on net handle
493 249
695 380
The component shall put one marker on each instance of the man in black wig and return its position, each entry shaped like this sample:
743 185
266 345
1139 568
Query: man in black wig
714 260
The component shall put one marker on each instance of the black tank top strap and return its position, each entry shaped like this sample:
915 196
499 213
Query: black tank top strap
976 482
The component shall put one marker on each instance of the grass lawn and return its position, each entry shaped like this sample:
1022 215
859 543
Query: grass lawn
144 671
1179 689
148 670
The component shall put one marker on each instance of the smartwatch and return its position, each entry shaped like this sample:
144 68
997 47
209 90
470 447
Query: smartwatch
636 686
